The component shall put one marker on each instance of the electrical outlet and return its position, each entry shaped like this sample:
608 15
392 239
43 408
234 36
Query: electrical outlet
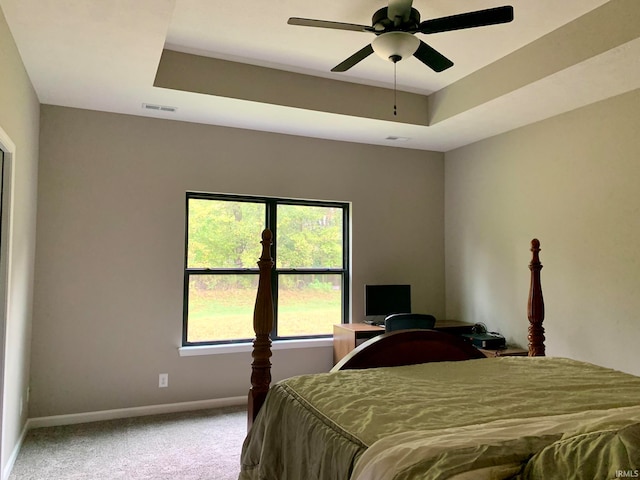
163 380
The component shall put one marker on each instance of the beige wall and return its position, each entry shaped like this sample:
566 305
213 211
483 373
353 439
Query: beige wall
571 181
108 304
19 112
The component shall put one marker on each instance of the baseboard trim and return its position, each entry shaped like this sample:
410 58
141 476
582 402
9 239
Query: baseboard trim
14 454
57 420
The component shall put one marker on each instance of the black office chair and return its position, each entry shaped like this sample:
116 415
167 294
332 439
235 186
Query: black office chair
405 321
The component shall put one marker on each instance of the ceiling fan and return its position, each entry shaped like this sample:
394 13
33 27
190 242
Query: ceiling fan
395 27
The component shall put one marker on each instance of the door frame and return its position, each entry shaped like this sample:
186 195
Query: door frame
9 149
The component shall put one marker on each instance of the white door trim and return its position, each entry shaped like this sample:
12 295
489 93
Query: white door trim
9 149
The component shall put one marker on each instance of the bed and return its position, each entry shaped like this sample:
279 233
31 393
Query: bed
423 404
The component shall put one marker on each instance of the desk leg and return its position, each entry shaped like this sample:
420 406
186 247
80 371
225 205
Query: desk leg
343 342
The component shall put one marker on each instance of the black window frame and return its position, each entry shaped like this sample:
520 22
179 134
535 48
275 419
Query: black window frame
270 221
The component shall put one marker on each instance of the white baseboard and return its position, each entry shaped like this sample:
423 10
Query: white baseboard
14 455
74 418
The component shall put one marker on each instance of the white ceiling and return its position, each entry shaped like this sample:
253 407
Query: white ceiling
103 55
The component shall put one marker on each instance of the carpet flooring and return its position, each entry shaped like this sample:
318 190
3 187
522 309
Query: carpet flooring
197 445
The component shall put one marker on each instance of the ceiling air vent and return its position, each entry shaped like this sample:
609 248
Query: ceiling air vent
393 138
158 108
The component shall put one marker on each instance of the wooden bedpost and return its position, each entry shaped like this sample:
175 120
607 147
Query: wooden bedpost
262 325
535 306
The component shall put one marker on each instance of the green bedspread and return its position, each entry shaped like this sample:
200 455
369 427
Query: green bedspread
440 420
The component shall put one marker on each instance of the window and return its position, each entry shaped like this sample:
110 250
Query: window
222 247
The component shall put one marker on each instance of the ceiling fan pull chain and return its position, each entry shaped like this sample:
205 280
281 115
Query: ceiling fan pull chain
395 103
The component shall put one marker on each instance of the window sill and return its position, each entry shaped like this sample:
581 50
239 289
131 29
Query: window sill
248 347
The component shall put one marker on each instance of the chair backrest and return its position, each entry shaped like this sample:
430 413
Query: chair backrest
405 321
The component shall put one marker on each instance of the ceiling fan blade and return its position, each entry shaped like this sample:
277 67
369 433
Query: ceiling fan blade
399 8
353 59
307 22
432 58
480 18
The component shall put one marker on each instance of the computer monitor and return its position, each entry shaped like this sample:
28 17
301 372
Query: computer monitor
383 300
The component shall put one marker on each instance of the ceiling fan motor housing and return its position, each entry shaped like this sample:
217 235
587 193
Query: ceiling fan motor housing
382 23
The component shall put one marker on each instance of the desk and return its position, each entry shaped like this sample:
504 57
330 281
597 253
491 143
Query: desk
509 351
347 336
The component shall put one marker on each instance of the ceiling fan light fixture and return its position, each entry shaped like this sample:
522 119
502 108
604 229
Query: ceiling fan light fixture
395 46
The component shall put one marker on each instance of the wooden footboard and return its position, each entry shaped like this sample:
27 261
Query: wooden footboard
392 349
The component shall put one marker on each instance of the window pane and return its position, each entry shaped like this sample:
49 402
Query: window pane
222 234
308 304
221 307
309 237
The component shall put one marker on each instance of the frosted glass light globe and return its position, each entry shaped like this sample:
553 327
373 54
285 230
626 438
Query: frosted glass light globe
395 46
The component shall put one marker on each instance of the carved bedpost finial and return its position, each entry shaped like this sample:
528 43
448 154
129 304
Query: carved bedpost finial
535 248
266 247
535 306
262 325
